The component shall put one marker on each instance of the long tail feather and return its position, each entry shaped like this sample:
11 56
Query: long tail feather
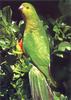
40 89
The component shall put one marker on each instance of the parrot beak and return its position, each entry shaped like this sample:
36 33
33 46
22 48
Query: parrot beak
21 7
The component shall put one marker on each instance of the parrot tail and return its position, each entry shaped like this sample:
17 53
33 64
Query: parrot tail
40 89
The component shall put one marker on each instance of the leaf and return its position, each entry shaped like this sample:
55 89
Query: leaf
21 23
64 46
66 28
56 29
62 97
14 27
5 43
61 48
58 96
6 14
0 14
21 28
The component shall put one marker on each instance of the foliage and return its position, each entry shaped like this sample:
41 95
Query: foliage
62 37
14 67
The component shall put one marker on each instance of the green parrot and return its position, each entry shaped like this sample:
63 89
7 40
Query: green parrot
36 45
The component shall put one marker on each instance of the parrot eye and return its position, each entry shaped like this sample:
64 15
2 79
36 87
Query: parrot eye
27 7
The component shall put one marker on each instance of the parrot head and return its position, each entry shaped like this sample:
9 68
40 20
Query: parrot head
28 10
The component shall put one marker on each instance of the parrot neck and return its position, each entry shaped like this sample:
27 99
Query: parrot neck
32 24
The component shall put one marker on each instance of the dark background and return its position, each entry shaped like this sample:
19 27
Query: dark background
45 8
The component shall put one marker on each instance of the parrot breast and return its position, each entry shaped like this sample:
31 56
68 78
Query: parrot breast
36 45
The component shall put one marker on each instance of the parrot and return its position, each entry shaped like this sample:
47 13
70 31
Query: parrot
36 45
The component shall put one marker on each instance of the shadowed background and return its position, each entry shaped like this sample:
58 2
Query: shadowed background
44 7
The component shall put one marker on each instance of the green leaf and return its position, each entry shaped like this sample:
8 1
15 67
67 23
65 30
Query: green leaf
6 14
62 97
58 96
19 95
64 46
56 29
14 27
0 14
21 27
21 23
4 43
